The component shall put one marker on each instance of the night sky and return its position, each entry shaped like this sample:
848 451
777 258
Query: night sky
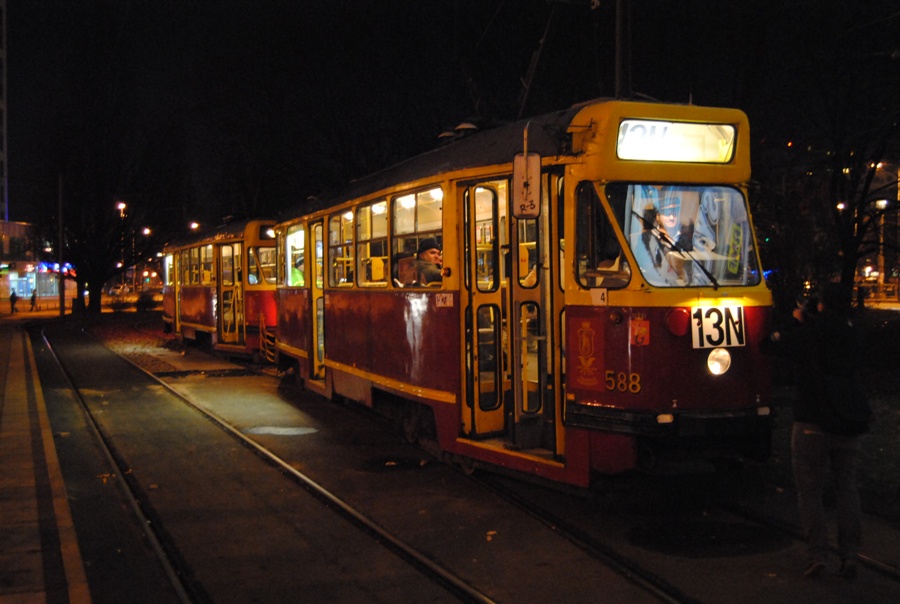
248 107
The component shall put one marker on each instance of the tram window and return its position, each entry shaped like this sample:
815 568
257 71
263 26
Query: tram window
295 244
561 230
529 325
227 253
490 357
280 273
599 258
262 265
487 240
320 255
687 235
207 276
185 267
192 266
528 253
169 269
417 218
371 244
340 249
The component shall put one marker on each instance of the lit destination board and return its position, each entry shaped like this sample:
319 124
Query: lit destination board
655 140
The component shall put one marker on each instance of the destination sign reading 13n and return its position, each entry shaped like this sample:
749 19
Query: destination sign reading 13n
657 140
715 326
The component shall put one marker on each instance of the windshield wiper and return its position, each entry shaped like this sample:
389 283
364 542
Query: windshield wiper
664 238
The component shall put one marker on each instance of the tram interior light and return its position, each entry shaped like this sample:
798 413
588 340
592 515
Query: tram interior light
718 361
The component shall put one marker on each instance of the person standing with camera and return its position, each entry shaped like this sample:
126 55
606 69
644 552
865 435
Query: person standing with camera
831 414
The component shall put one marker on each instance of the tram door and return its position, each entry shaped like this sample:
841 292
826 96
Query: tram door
317 301
506 278
231 299
177 280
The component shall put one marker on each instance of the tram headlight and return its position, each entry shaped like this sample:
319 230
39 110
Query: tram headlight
718 361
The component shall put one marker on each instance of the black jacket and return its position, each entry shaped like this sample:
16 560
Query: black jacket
824 352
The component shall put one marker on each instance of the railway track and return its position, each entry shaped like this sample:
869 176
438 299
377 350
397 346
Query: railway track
716 509
162 544
136 477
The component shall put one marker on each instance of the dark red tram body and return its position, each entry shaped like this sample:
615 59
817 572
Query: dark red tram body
219 287
601 302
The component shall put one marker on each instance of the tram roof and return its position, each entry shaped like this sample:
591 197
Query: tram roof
229 230
546 136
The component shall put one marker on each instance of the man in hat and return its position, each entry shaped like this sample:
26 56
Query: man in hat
428 257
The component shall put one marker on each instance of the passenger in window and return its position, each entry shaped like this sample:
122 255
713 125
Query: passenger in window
404 271
669 241
298 276
430 262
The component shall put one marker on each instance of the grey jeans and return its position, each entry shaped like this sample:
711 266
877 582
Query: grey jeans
814 452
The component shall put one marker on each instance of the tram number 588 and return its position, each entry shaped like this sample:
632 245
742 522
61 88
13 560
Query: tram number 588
718 326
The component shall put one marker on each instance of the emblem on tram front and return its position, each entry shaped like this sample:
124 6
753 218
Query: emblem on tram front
640 331
586 369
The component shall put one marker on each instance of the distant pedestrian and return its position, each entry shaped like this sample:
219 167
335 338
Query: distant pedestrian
831 414
33 300
13 298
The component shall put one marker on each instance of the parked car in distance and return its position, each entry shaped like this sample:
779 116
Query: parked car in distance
119 289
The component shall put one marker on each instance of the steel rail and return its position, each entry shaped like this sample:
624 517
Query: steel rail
653 584
429 568
182 591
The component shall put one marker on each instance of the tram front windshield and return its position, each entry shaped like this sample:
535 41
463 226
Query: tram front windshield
685 235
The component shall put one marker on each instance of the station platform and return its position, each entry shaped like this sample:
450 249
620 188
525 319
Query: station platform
39 555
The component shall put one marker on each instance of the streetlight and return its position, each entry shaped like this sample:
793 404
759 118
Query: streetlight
881 204
121 207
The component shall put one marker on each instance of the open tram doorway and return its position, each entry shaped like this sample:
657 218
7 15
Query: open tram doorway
509 332
230 294
317 302
173 272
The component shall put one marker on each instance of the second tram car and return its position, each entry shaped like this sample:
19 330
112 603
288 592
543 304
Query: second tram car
572 295
219 287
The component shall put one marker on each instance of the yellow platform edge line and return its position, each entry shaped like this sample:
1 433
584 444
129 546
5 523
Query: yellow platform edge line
73 565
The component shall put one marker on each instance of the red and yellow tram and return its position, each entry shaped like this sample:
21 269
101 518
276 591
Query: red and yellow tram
219 287
600 302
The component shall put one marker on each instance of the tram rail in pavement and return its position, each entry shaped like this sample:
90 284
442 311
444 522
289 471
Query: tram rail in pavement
40 559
